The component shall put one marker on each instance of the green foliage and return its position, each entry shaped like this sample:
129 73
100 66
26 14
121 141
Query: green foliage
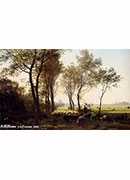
106 78
11 97
82 76
51 70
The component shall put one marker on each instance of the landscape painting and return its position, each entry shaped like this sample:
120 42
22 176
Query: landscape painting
65 89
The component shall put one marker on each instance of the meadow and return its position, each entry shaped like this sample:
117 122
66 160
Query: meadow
107 108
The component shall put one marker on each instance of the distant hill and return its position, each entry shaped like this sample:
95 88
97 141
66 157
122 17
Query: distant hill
123 103
115 105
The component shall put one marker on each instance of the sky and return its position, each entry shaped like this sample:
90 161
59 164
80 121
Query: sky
116 58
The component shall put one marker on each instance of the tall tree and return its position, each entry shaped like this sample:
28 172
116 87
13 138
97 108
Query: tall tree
87 70
51 70
107 79
69 83
29 61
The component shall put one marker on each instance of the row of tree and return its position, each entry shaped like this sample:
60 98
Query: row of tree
88 73
43 67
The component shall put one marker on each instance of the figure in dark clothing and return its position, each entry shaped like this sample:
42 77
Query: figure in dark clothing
87 108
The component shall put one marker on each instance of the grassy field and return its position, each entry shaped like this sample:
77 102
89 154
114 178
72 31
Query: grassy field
105 109
113 109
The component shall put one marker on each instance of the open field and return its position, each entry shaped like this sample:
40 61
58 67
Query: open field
105 109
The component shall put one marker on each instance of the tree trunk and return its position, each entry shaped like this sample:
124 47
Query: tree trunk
101 98
37 86
47 96
37 98
100 107
52 98
47 101
72 104
35 103
78 98
32 91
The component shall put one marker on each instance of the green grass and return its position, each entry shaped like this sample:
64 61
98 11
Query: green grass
117 111
105 109
113 110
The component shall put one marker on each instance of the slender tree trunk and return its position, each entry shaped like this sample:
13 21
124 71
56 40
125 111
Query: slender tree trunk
35 105
101 98
70 103
78 98
32 91
79 92
37 98
47 96
52 98
47 101
37 86
100 106
73 106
